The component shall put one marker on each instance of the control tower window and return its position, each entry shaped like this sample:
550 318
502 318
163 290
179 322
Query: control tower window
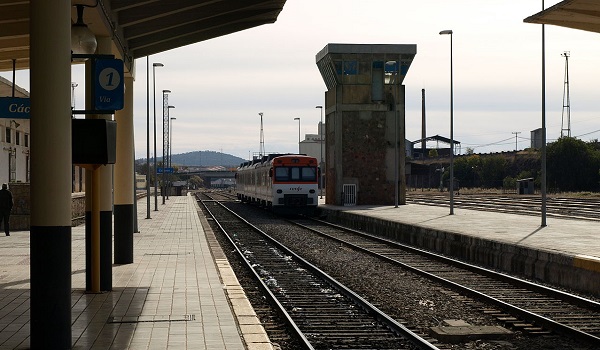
377 81
391 72
350 67
338 67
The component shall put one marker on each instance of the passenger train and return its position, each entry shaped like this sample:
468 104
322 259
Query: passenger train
285 183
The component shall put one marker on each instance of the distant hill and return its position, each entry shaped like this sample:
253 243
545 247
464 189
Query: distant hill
201 158
206 158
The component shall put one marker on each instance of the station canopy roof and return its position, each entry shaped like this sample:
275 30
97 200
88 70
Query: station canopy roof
140 27
576 14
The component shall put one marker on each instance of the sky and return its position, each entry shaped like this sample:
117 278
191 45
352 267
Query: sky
220 86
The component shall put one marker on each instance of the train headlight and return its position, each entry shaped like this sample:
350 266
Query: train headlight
311 191
279 191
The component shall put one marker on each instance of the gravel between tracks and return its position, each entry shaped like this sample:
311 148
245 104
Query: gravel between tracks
411 299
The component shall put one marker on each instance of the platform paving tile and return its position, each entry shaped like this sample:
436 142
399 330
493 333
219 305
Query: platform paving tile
171 297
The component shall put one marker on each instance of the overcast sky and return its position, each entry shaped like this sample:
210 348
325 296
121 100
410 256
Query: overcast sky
219 86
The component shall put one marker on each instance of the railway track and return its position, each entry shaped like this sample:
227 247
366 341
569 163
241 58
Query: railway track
529 307
560 207
323 313
216 195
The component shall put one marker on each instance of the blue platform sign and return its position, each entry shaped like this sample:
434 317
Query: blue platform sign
15 107
109 85
166 171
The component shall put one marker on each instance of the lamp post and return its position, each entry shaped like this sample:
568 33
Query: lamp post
543 184
154 65
393 79
451 186
171 142
164 151
298 119
261 148
147 137
170 150
168 158
321 144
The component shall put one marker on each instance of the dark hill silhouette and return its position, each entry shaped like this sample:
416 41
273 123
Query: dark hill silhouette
201 158
206 158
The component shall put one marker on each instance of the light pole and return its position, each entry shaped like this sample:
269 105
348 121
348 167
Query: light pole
154 65
298 119
543 180
321 142
171 142
168 160
147 137
261 148
164 151
451 186
73 86
170 151
394 80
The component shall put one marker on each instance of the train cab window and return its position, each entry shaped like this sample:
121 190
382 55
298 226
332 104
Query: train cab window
309 174
296 174
281 174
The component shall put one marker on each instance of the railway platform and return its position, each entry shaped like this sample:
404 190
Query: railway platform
179 293
565 252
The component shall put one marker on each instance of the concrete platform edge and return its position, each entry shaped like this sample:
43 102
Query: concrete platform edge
576 272
249 326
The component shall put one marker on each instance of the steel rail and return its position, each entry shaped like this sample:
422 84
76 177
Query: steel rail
392 324
272 298
541 320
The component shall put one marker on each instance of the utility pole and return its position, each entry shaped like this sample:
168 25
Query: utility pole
516 133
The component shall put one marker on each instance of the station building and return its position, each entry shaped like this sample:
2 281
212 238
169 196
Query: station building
14 134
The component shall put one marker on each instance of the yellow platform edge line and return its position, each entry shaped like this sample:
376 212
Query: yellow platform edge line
587 262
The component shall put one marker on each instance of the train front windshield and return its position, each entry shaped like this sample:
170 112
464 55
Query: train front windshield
296 174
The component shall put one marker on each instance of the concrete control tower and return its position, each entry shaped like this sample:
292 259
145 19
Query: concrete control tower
365 131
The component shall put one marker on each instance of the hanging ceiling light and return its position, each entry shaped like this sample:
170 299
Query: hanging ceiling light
83 41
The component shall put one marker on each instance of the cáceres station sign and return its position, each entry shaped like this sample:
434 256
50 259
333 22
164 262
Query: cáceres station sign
15 107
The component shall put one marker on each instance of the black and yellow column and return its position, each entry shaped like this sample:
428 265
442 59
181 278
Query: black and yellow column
106 223
105 200
124 179
98 229
99 189
50 55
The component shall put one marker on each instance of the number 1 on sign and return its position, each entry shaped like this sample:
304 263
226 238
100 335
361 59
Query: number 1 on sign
109 79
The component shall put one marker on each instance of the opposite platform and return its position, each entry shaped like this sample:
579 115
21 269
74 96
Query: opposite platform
174 295
565 252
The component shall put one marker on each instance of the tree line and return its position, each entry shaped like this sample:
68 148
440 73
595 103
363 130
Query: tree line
572 165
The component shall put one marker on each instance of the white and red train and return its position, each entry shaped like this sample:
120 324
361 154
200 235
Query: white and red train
285 183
